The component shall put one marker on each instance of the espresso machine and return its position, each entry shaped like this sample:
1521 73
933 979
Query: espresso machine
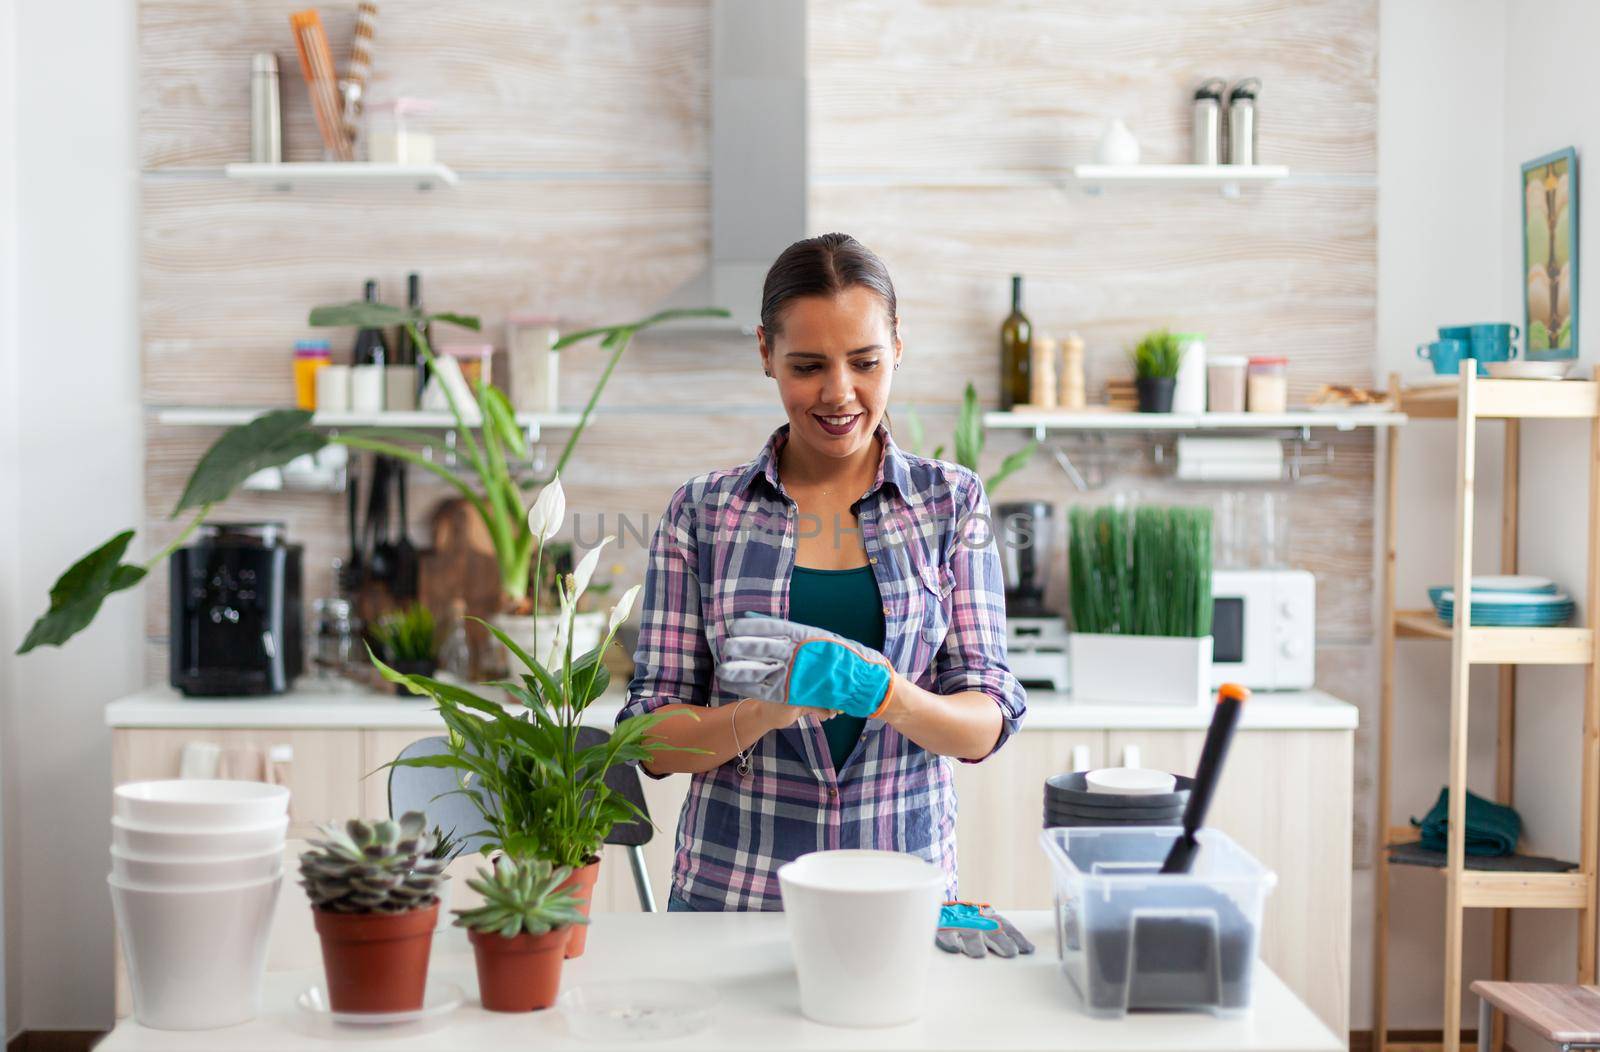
236 615
1036 635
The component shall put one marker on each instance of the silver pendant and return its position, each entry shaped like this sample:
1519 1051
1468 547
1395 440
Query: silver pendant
744 766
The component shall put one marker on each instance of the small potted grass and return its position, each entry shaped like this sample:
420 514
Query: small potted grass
1141 605
1155 370
374 891
519 935
406 640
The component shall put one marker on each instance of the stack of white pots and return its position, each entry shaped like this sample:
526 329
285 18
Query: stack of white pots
195 870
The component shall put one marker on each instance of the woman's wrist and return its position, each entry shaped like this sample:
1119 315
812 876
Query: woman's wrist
904 698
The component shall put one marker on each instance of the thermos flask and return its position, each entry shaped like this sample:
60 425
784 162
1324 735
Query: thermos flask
266 128
1207 131
1242 121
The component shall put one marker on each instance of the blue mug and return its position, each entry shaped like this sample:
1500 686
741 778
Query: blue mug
1495 343
1446 355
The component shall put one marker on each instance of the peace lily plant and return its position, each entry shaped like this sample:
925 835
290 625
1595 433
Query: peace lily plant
492 445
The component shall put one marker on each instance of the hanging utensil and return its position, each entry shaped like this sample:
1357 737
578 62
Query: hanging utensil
1230 699
404 585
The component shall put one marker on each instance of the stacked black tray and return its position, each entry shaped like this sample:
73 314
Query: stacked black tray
1068 801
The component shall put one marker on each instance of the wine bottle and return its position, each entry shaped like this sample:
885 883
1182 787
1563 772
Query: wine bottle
1016 350
371 348
406 347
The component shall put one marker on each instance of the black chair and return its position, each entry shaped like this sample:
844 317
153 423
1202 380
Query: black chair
420 789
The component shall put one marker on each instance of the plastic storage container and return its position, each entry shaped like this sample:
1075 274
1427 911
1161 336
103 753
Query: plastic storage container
1268 385
1131 938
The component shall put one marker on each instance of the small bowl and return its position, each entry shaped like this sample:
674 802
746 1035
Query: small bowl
1130 781
155 842
194 872
200 803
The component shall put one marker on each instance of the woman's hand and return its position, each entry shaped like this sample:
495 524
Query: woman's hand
807 667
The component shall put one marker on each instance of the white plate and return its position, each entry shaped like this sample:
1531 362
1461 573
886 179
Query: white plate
1129 781
1512 582
1528 370
439 998
639 1010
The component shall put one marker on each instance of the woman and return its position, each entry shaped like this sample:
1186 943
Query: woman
832 528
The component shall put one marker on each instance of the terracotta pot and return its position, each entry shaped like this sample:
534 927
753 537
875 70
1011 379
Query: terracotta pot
376 962
522 973
581 884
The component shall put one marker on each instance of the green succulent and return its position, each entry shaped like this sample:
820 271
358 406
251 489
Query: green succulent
446 845
1157 356
521 896
373 867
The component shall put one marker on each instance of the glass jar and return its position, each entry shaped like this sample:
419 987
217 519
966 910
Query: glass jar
397 132
1267 385
336 644
1225 383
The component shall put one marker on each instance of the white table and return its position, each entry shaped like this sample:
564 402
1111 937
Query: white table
1024 1003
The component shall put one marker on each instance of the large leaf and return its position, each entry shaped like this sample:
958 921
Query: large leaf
268 441
365 315
76 596
643 323
969 430
1013 463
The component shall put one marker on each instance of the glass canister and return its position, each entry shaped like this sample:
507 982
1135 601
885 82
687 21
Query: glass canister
310 357
336 644
1225 374
397 132
1267 385
535 368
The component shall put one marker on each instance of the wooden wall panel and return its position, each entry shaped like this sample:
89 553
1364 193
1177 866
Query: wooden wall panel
928 86
520 85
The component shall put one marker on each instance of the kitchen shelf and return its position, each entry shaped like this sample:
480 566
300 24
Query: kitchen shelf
225 416
1503 646
1464 401
1507 399
287 176
1227 178
1041 421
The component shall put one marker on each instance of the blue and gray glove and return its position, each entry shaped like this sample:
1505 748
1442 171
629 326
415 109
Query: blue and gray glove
974 928
770 659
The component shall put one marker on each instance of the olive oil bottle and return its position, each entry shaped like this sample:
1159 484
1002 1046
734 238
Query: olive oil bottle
1016 346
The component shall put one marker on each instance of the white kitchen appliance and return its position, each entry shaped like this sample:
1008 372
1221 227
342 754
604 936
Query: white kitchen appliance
1264 626
1036 650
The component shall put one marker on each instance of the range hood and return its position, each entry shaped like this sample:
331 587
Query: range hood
758 157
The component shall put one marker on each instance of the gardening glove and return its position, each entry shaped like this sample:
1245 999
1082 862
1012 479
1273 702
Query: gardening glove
969 927
770 659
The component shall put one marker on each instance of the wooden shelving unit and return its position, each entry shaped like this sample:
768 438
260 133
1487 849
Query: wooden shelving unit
1468 401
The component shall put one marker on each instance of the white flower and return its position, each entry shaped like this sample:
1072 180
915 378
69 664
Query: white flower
586 567
624 607
548 512
558 648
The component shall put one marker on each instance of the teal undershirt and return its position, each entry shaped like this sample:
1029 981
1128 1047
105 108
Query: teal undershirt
847 603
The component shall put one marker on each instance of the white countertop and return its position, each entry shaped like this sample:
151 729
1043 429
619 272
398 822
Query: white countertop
1023 1003
361 709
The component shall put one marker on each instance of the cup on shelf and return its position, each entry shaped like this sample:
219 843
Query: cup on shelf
333 389
1445 353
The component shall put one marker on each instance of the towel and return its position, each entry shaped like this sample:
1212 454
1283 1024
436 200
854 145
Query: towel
1492 829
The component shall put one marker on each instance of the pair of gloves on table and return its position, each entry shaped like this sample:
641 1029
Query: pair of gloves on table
770 659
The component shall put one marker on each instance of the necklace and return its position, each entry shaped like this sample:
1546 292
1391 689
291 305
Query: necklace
743 767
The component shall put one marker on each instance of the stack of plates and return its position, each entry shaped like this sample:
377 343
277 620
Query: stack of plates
1069 802
195 870
1508 601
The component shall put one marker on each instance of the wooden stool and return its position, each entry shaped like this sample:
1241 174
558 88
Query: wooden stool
1566 1015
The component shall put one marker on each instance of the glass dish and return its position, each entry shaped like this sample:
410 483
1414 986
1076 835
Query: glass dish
438 999
639 1010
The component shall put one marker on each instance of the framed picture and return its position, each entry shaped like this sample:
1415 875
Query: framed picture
1550 255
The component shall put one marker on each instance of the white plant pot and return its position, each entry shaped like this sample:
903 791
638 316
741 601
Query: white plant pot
195 955
588 630
1140 670
861 925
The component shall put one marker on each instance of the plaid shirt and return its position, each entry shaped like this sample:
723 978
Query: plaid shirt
726 546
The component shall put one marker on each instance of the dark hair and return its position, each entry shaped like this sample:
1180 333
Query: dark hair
824 265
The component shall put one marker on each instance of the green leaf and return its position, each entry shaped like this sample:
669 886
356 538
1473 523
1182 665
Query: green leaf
504 420
365 315
510 644
1011 465
465 321
76 596
268 441
913 430
969 430
611 331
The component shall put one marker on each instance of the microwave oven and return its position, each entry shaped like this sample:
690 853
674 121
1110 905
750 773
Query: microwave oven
1264 628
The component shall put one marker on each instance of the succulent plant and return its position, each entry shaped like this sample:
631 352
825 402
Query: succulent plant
446 845
373 867
521 896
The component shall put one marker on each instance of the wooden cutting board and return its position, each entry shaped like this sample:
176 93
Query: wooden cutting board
461 565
